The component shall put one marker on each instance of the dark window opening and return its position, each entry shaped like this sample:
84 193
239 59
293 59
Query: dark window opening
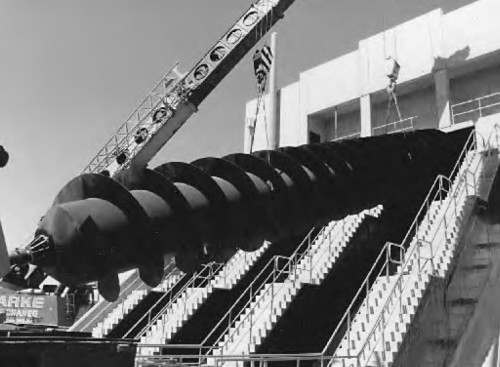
314 138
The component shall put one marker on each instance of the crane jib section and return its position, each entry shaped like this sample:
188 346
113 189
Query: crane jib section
176 96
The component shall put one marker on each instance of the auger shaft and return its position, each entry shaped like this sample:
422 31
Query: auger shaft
204 211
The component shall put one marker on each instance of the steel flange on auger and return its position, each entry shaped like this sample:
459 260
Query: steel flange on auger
204 211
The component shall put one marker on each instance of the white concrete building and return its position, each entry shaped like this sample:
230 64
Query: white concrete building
449 77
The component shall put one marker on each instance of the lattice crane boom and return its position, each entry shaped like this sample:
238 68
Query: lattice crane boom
176 97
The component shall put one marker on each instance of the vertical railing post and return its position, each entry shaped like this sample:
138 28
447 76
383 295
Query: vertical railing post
229 320
387 257
455 203
367 297
400 286
419 255
382 329
310 267
349 332
432 257
272 288
251 324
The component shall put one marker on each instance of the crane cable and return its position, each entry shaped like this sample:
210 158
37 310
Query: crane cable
391 90
393 77
253 125
261 75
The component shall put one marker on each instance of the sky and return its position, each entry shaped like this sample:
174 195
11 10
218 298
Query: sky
71 71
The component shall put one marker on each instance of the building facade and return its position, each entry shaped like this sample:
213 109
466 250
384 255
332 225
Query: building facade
449 78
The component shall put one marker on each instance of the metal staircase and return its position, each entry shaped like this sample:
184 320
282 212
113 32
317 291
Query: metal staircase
318 261
177 312
174 316
308 264
131 286
375 323
237 266
171 311
128 304
101 318
391 298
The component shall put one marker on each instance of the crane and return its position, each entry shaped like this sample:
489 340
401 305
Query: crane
176 97
119 215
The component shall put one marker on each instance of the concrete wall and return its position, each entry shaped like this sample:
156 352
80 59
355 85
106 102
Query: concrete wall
415 44
460 46
471 27
290 113
330 84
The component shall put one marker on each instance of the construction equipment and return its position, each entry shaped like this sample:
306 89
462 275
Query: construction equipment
177 96
392 75
204 211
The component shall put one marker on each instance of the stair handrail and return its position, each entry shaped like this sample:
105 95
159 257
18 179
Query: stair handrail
435 192
382 263
436 186
291 264
135 284
292 274
230 263
365 286
402 277
262 359
470 144
320 237
398 286
171 268
248 289
202 345
287 268
324 234
453 194
109 306
251 292
212 268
